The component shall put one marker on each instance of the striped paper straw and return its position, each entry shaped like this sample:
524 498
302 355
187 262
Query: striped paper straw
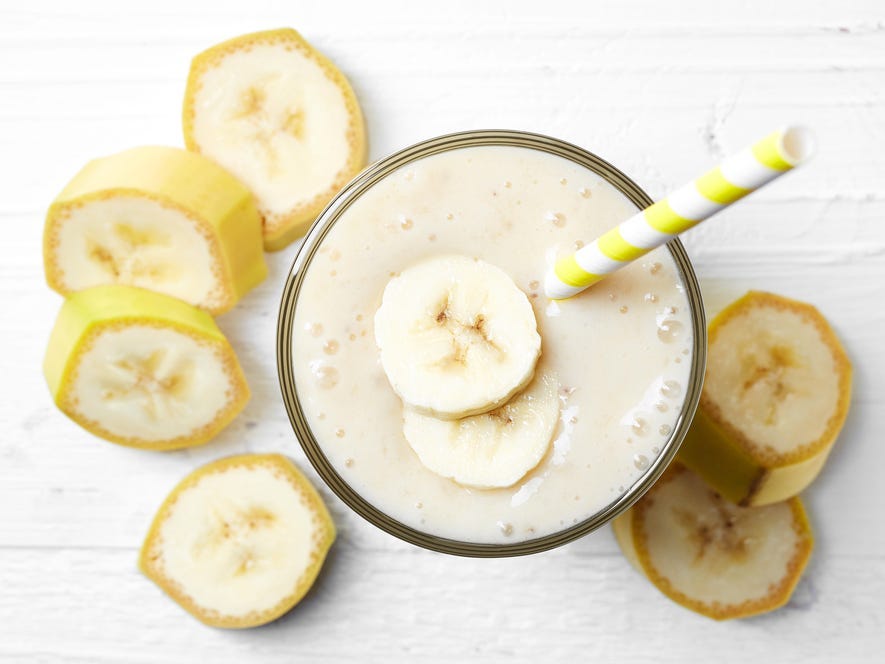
659 223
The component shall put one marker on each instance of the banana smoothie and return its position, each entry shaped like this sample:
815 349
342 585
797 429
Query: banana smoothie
440 382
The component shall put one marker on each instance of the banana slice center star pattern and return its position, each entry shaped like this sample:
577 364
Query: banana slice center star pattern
467 333
714 533
157 381
128 254
237 526
264 123
769 373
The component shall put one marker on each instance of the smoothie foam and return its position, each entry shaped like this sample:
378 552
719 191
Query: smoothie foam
621 351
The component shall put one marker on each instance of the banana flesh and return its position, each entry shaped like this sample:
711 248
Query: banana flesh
142 369
282 118
240 541
711 556
776 394
490 450
157 218
457 337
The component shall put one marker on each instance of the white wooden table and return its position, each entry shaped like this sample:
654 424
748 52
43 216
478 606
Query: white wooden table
663 90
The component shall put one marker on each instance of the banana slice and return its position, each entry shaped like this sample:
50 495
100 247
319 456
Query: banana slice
494 449
457 337
776 393
282 118
142 369
713 557
158 218
239 541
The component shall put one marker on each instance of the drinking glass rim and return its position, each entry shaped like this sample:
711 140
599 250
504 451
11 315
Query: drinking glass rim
309 248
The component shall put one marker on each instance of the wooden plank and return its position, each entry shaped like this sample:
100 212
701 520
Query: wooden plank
93 17
662 91
412 605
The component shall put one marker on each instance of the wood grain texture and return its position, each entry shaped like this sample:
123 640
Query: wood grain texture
663 90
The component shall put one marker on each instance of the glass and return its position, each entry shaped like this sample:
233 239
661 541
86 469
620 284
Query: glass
309 250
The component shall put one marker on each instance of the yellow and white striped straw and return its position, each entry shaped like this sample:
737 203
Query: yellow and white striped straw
659 223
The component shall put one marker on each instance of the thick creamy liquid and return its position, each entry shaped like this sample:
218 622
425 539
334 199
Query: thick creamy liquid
621 350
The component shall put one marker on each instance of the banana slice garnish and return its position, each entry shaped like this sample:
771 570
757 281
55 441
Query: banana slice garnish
490 450
239 541
457 337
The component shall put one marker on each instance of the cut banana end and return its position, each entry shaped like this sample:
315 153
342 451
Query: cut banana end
711 556
239 541
158 218
776 393
142 369
457 337
494 449
282 118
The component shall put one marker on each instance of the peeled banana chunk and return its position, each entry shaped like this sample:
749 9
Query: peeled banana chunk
142 369
457 337
239 541
281 117
711 556
776 394
158 218
490 450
